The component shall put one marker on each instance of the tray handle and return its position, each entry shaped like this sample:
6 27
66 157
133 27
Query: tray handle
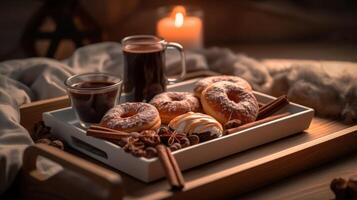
96 175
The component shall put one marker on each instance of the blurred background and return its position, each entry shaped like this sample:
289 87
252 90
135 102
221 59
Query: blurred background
299 29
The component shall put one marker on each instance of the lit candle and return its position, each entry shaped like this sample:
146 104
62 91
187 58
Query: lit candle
181 28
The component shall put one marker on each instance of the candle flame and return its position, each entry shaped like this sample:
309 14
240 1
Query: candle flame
178 20
179 13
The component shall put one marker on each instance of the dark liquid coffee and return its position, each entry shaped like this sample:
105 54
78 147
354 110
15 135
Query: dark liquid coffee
144 71
91 107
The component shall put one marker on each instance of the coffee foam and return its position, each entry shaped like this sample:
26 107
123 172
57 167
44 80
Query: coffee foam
143 47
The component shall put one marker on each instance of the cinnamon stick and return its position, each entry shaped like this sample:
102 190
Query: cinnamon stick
171 167
272 107
255 123
106 133
177 169
103 128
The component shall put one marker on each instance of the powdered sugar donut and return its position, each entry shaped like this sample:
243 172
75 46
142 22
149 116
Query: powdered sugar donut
204 83
173 104
226 101
132 117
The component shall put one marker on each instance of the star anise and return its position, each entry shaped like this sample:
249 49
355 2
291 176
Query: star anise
180 138
173 139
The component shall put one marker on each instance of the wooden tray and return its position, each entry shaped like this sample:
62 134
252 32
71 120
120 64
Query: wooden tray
65 125
324 141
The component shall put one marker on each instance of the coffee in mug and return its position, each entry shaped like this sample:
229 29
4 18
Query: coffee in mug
144 66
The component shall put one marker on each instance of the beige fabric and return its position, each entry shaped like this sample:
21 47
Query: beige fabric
13 137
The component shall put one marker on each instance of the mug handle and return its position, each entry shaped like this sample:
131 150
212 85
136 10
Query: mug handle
178 47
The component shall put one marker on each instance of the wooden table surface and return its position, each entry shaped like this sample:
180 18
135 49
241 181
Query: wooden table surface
310 184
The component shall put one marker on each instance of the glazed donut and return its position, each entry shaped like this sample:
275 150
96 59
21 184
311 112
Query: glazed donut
132 117
204 83
173 104
226 101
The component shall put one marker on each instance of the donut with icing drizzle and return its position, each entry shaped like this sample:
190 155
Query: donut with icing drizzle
202 125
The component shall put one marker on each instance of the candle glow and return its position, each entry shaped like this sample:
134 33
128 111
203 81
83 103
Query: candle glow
182 28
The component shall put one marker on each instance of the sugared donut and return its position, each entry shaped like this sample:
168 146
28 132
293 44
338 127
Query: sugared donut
173 104
204 83
226 101
132 117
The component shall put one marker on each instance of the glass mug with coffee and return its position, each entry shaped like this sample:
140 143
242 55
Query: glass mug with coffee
92 95
144 66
